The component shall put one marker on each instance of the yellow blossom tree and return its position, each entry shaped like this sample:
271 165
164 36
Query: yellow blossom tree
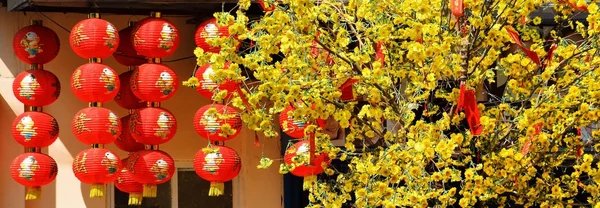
409 58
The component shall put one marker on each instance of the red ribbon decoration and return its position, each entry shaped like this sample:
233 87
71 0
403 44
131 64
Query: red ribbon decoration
379 55
312 148
346 88
527 145
457 8
468 103
242 96
256 141
515 37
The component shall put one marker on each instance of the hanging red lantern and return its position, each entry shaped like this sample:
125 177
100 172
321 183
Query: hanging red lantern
94 82
126 142
217 164
35 129
267 5
150 168
207 85
154 82
291 127
126 54
33 170
97 166
152 126
210 121
125 97
36 44
208 30
96 125
94 38
155 37
127 184
36 87
300 152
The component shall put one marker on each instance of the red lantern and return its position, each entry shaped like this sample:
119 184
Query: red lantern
35 129
209 120
300 151
94 82
36 44
125 97
125 183
94 38
125 53
207 85
155 37
97 166
126 142
267 5
208 30
33 170
151 167
96 125
154 82
291 127
36 87
217 164
152 126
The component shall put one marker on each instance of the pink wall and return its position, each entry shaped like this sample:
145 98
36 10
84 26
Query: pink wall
255 188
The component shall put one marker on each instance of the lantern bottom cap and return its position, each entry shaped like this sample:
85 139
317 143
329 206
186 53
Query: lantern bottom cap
150 190
216 189
135 199
97 191
33 193
309 181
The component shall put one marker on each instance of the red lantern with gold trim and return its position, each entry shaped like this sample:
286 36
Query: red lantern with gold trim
209 29
36 87
33 170
97 166
217 164
127 184
152 126
35 129
125 97
126 54
155 37
36 44
154 82
150 168
94 38
291 127
96 125
211 120
208 87
94 82
300 152
126 142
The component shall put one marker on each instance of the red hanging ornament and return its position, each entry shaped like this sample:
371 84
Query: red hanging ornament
36 87
33 170
208 87
126 142
210 121
36 44
150 168
97 166
152 126
380 53
96 125
291 127
35 129
208 30
267 5
94 82
300 152
317 50
126 54
125 97
94 38
154 82
155 37
217 164
127 184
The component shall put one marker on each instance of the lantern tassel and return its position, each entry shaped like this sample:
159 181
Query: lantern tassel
216 189
150 190
97 191
135 199
309 181
33 193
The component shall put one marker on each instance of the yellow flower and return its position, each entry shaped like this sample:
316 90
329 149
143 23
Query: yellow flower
191 82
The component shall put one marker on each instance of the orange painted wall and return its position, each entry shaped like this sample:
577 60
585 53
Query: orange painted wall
254 188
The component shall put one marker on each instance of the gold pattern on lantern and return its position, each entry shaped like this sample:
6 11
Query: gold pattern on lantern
160 169
31 44
109 79
111 39
137 40
28 85
28 167
113 126
77 80
111 162
79 163
79 35
134 76
26 128
131 163
80 123
164 123
165 83
167 36
211 31
212 161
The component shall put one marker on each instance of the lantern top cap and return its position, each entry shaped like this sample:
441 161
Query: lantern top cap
36 22
94 15
156 14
